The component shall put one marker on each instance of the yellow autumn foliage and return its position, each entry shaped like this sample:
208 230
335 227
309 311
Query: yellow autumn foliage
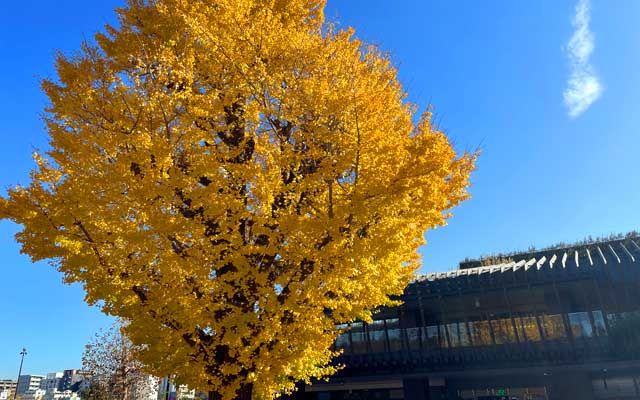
234 178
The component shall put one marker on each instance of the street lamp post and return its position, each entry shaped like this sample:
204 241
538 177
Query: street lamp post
22 353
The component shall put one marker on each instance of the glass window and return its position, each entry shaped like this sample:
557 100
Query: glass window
413 338
342 342
432 337
464 334
480 333
377 339
580 324
442 334
458 335
358 338
376 325
503 330
552 326
529 328
598 319
392 323
395 339
454 337
623 324
614 320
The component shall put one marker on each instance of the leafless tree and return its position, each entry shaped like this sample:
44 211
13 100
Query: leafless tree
116 374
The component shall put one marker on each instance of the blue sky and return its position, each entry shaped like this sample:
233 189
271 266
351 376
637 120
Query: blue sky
495 71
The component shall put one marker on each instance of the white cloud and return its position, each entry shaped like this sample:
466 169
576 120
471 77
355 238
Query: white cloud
583 86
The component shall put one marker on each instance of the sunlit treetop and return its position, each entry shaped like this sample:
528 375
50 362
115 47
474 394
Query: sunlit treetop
234 178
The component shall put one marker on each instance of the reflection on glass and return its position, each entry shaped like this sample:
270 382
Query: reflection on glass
374 338
454 337
432 337
458 335
529 328
503 330
377 341
463 334
392 323
614 320
624 326
480 333
598 320
342 342
413 338
376 325
552 326
359 343
395 339
580 324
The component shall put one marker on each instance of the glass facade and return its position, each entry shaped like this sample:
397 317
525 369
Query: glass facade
600 327
580 324
481 333
385 335
552 326
577 316
528 328
503 331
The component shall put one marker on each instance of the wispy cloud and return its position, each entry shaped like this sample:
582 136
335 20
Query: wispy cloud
583 86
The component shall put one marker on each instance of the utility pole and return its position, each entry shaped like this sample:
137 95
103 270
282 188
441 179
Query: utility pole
22 353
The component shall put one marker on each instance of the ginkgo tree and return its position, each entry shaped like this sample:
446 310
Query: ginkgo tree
234 178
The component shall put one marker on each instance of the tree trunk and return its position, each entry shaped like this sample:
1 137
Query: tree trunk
244 393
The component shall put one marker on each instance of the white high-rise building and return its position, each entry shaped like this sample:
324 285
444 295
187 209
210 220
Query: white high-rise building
28 383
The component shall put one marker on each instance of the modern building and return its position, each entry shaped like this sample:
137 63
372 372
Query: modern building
555 324
70 377
7 388
8 384
51 382
28 383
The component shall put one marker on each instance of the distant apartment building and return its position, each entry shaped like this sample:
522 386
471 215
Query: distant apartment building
64 385
28 383
8 384
70 377
7 387
52 381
